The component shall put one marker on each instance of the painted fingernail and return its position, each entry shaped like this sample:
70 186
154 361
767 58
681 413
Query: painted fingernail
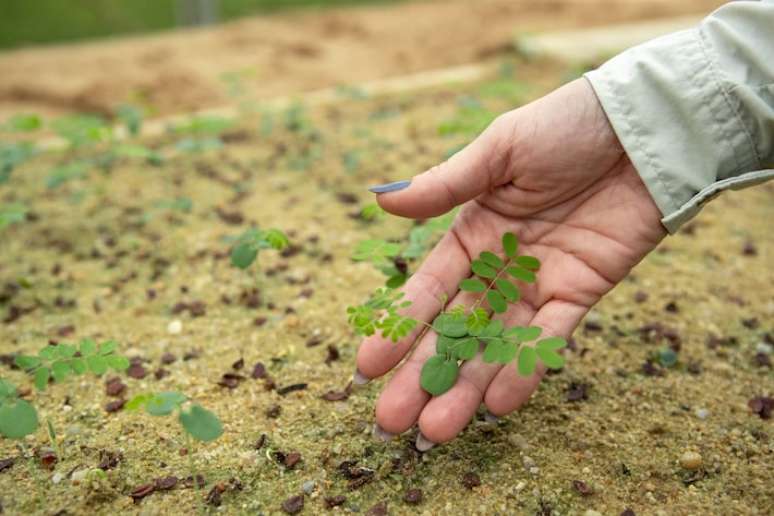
359 379
381 434
390 187
490 418
423 443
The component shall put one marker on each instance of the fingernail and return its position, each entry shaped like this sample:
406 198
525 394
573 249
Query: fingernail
390 187
381 434
423 443
490 418
359 379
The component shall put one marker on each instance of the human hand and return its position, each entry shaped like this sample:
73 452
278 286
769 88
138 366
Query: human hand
552 172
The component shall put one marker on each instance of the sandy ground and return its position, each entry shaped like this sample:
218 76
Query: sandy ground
108 255
288 53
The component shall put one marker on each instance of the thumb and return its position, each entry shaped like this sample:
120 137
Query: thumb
464 176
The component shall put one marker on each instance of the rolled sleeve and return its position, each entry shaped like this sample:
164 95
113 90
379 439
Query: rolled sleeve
695 110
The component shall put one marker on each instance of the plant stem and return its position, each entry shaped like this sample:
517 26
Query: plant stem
191 467
491 283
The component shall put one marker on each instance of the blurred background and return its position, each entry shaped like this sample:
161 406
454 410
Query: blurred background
173 56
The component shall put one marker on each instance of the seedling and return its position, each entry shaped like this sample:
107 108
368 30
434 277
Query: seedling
463 331
23 122
131 116
12 155
63 360
18 418
252 241
391 258
82 130
196 421
12 214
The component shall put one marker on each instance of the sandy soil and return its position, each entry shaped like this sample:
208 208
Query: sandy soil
108 256
289 53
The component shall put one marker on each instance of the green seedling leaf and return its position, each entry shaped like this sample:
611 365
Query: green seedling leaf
79 365
510 244
375 251
66 350
48 353
472 285
508 290
138 402
451 324
276 239
396 280
667 357
164 403
7 390
550 343
27 362
372 212
12 213
491 259
97 364
41 377
117 362
60 370
527 361
244 254
499 351
24 122
547 351
201 424
496 301
477 321
131 116
481 268
363 319
523 334
528 262
88 347
521 274
108 347
396 327
438 375
493 329
444 344
17 419
466 348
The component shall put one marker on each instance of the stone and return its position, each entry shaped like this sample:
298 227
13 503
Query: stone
691 460
175 327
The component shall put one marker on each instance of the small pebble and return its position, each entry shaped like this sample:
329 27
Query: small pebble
57 477
175 327
690 460
78 476
702 413
309 486
764 347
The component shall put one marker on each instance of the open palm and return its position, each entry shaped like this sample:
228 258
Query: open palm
553 173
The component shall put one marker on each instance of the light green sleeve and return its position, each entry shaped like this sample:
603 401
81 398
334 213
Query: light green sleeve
695 109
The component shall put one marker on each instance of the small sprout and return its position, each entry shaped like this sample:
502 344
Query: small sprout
18 418
12 214
82 130
248 244
131 116
12 155
63 360
23 122
462 330
64 174
371 212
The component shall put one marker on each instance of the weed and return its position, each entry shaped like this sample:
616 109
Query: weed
249 243
463 331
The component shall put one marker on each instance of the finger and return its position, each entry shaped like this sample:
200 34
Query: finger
438 276
445 416
470 172
403 398
509 391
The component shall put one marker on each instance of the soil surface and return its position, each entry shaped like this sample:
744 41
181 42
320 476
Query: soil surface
138 252
289 53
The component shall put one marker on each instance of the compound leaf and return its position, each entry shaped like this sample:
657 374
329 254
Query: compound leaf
477 321
493 329
27 362
78 365
522 333
466 348
163 403
108 347
243 254
483 269
88 347
97 364
528 262
117 362
60 370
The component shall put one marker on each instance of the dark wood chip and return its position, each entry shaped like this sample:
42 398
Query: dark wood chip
628 512
291 459
640 296
334 501
259 371
239 364
137 371
165 483
333 354
413 497
114 386
168 358
471 480
214 496
65 331
335 396
191 355
290 388
6 464
259 321
761 405
671 307
160 373
189 482
230 380
592 326
274 411
762 360
234 218
140 492
649 368
749 249
109 460
260 442
294 504
577 391
582 488
380 509
314 341
115 406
